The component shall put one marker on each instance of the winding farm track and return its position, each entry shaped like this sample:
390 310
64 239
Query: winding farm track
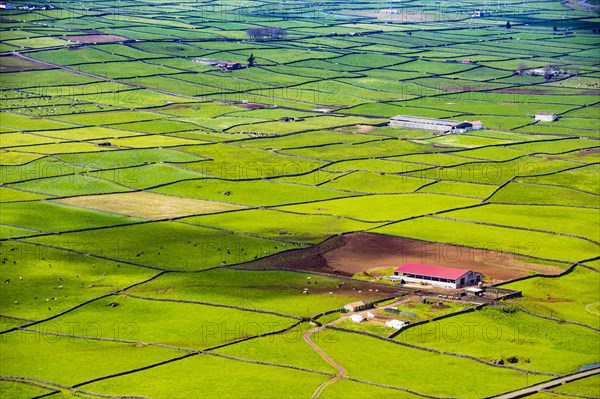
341 371
521 393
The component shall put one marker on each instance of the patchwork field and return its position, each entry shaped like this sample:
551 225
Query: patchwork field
192 191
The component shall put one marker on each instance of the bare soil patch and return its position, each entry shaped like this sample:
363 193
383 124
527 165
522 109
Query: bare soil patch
364 128
15 64
359 252
95 38
148 205
252 106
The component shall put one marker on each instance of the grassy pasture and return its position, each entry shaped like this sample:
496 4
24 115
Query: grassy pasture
76 56
78 184
288 348
549 218
107 118
569 297
129 157
460 188
49 217
337 152
272 290
189 247
10 195
274 184
19 390
212 374
491 334
520 193
520 242
496 172
381 207
10 158
239 162
34 350
282 225
426 368
43 270
21 122
368 182
189 326
250 192
147 174
587 386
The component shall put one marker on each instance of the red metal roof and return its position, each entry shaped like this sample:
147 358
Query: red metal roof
431 271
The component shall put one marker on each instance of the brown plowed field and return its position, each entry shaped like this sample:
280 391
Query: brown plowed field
354 253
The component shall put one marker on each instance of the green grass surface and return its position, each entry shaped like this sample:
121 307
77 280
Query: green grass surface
46 281
277 291
382 207
28 353
301 142
212 374
570 297
426 368
520 242
491 334
190 247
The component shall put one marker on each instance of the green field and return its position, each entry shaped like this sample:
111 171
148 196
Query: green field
173 226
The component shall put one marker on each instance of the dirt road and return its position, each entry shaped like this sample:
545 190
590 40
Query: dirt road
341 371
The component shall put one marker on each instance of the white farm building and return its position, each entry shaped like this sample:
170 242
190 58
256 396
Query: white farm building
545 117
438 125
438 276
395 324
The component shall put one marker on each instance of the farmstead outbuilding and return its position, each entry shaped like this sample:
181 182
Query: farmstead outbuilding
545 117
438 125
445 277
356 306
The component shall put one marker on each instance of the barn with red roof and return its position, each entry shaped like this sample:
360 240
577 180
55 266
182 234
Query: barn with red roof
439 276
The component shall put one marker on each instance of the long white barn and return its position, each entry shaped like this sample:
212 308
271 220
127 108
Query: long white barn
438 276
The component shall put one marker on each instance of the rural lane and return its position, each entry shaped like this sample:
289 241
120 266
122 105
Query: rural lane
341 371
549 384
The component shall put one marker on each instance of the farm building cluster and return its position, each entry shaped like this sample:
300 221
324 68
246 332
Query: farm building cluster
223 65
438 125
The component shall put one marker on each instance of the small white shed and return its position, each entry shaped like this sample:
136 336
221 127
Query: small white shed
396 324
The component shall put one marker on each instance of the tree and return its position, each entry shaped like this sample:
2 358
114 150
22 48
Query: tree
521 68
251 61
508 25
550 70
555 28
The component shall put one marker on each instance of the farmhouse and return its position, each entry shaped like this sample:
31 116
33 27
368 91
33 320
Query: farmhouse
477 125
545 117
438 276
356 306
224 65
439 125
